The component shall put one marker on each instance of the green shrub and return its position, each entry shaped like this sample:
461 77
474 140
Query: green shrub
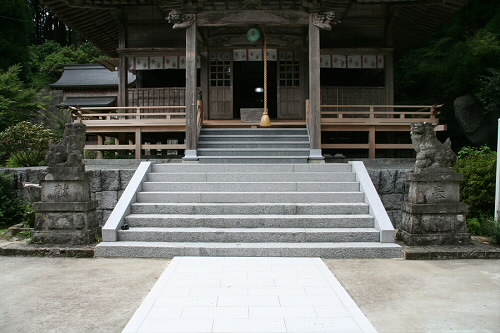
10 210
485 226
26 144
27 158
478 166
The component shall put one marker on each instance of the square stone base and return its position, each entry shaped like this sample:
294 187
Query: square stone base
66 223
436 238
434 224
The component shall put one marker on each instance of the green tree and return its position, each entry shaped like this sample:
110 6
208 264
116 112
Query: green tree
46 60
462 59
15 32
17 102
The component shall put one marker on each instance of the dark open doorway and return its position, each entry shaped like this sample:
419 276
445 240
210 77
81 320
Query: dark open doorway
248 76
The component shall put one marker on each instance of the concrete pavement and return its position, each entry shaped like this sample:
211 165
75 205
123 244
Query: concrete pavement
100 295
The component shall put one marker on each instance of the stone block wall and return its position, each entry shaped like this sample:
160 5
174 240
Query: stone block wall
392 186
108 185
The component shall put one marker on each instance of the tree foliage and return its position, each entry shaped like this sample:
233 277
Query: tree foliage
15 32
47 26
46 60
17 101
478 166
462 59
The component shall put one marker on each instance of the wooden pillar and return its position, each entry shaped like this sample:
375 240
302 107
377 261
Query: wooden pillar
123 70
191 94
389 78
314 91
138 140
389 58
204 66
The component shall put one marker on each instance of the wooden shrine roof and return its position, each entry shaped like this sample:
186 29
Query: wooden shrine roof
413 20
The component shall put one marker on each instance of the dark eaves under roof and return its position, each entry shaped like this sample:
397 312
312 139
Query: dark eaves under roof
89 76
89 101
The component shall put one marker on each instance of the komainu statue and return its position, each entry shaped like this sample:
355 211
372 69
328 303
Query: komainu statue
68 152
431 153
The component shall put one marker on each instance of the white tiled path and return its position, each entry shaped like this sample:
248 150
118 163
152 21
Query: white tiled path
228 294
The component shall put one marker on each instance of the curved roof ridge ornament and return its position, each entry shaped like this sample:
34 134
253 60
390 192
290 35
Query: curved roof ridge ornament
179 19
325 21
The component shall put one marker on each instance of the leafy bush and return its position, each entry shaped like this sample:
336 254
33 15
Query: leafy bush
485 226
478 188
26 143
27 158
10 207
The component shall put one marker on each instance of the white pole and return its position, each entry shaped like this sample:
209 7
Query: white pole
497 192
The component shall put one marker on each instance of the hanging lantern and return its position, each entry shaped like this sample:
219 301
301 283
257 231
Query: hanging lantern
253 35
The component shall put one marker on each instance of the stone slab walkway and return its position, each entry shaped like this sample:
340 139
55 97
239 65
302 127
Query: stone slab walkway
215 294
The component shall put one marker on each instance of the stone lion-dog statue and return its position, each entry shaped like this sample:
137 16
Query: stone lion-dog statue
68 152
431 153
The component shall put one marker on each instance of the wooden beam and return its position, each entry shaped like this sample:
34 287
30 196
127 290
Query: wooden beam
150 51
191 89
236 17
314 86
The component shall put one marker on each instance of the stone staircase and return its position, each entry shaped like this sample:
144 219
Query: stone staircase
253 145
293 210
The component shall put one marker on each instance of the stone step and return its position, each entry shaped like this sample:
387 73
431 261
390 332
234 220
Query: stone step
223 209
227 168
253 131
256 160
250 187
249 235
252 177
239 197
323 250
254 152
253 144
254 137
249 221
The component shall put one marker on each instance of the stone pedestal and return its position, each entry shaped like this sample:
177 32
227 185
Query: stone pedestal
66 214
433 214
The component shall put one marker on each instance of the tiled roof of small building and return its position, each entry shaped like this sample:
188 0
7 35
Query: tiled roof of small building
88 76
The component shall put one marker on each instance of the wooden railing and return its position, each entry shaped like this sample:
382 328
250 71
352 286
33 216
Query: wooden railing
372 119
112 121
128 115
378 114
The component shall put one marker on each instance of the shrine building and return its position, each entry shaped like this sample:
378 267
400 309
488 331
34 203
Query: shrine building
322 65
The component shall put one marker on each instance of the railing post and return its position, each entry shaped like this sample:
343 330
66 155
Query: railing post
138 145
371 142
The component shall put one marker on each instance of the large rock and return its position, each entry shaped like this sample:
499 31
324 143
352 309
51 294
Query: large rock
477 124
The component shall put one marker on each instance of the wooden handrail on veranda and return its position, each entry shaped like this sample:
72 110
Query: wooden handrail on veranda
115 120
132 115
368 114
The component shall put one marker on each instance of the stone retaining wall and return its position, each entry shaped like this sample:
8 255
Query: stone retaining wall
108 185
